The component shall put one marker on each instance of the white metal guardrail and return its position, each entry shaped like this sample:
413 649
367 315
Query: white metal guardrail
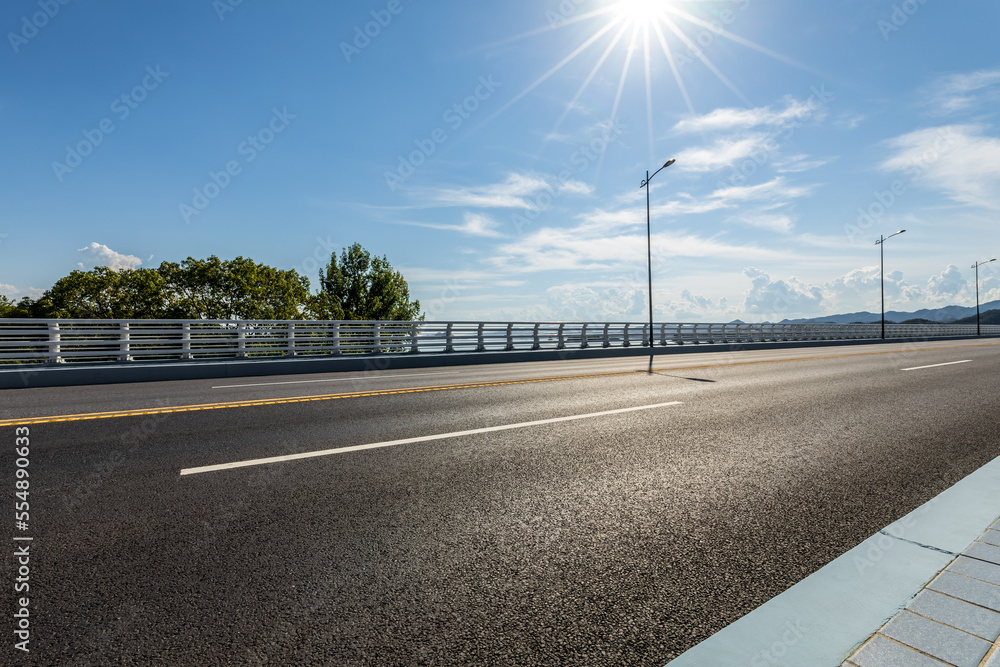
33 341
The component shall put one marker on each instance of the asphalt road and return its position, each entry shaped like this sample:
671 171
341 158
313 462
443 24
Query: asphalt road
615 539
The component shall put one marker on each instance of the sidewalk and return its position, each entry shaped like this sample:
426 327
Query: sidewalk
954 620
924 591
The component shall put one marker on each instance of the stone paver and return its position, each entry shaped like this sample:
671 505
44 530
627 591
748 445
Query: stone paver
954 620
957 613
984 551
883 652
940 641
970 590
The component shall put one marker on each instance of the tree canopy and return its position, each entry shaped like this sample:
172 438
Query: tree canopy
361 287
358 286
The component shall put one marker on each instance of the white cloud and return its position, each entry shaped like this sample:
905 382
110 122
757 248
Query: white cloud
581 303
724 153
523 191
795 111
97 254
989 289
590 246
948 283
775 189
473 224
954 93
797 163
14 293
960 160
775 222
773 298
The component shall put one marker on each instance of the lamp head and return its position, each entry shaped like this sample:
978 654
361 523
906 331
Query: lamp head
669 162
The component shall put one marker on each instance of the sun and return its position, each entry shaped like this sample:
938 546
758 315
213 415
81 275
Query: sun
638 12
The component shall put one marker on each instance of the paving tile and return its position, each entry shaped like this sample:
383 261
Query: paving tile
948 644
976 569
956 613
990 537
882 652
970 590
996 525
994 660
984 552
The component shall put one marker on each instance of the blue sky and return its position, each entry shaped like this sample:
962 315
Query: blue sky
494 151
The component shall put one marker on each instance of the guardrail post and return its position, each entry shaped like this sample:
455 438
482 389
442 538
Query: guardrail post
336 338
606 340
536 339
54 348
510 337
646 340
414 345
449 338
241 339
186 340
663 335
123 341
561 336
626 342
376 338
584 344
679 335
290 339
481 343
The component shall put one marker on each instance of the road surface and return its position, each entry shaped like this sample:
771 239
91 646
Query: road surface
556 513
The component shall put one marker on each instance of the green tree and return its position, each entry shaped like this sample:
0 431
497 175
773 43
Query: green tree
233 289
193 289
362 287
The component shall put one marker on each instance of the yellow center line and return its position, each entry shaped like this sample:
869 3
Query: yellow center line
417 390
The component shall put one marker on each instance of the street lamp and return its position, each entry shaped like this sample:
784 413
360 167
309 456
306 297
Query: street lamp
649 247
881 243
976 267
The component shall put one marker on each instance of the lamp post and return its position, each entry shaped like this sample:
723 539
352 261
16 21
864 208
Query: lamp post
881 244
976 267
649 247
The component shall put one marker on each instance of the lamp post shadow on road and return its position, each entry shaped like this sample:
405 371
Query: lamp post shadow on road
649 256
881 244
976 267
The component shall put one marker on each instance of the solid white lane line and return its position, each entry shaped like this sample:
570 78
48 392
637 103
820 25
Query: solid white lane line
407 441
950 363
356 379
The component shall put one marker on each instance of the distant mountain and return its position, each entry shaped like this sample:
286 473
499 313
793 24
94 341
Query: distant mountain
985 317
945 314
